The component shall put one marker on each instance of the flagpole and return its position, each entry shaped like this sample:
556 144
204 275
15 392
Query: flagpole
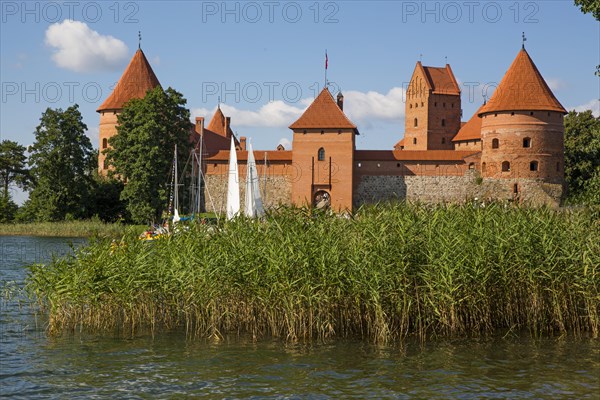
326 62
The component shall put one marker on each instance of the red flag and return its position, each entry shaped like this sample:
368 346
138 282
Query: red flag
326 60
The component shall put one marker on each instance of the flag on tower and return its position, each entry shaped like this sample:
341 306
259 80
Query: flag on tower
326 60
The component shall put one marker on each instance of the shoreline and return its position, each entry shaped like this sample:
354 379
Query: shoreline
66 229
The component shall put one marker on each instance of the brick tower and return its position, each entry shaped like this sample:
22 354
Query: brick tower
522 128
323 155
137 79
433 109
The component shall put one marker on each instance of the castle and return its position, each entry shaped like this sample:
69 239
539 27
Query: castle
512 148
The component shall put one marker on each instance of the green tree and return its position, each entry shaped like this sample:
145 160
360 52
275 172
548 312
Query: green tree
13 171
582 152
13 165
142 151
589 6
62 162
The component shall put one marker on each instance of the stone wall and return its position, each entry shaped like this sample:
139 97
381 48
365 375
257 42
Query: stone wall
437 189
278 192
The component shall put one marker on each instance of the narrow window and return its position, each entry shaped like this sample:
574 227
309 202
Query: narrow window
505 166
516 188
414 140
533 166
443 104
435 104
512 113
104 143
443 122
416 105
526 142
398 165
416 123
495 143
483 167
557 167
422 104
321 154
531 113
443 140
410 105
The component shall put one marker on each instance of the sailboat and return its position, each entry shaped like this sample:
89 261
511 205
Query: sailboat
233 185
253 205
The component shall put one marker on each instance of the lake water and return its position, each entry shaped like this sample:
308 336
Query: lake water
74 366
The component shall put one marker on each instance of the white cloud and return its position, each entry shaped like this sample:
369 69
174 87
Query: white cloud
360 107
81 49
275 114
593 105
285 142
556 84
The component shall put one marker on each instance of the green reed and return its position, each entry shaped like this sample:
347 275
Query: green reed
77 228
385 273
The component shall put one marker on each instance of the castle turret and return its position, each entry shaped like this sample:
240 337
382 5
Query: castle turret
323 157
522 128
137 79
433 109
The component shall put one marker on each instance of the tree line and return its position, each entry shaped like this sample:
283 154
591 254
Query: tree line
61 176
60 171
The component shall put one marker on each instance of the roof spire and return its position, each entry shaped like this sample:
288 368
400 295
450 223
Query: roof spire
524 40
139 39
446 58
420 57
219 103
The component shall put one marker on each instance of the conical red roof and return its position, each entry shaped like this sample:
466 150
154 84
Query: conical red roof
471 130
217 123
522 89
137 79
323 113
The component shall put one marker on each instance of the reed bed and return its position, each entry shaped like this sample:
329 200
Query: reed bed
78 228
385 273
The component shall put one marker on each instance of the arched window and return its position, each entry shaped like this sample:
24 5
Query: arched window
505 166
483 167
533 166
495 143
416 122
443 122
526 142
104 143
321 154
471 165
414 140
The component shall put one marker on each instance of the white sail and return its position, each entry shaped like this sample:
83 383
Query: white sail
253 206
233 185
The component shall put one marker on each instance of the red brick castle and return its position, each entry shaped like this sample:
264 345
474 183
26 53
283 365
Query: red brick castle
511 149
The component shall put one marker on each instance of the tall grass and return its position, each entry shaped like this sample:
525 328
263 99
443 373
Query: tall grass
388 272
79 228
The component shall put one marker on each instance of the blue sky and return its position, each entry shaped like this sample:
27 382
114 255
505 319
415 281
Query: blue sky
265 59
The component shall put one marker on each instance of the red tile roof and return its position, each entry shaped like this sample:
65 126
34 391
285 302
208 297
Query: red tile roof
323 113
471 130
399 145
522 89
137 79
272 155
440 80
217 124
412 155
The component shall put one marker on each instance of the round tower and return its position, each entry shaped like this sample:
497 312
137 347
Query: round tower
522 128
137 79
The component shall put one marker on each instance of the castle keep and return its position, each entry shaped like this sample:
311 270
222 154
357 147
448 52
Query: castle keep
511 149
